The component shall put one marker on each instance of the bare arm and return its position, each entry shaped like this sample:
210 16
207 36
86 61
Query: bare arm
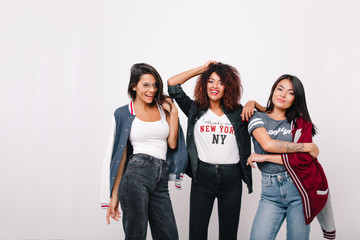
173 121
254 157
249 108
184 76
113 209
277 146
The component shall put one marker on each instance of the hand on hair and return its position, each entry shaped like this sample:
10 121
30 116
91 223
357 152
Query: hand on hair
169 106
207 64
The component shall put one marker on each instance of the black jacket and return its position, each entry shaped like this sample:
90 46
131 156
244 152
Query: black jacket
193 113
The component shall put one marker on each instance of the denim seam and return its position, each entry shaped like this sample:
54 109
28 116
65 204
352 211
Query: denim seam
126 198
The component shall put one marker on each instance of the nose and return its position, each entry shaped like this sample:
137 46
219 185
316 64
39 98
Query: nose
215 85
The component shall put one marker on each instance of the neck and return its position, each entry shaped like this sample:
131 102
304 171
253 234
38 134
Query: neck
278 114
215 105
141 104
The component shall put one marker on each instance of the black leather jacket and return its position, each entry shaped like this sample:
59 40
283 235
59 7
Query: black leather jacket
193 113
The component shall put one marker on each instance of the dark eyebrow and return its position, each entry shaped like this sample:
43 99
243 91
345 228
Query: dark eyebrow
284 87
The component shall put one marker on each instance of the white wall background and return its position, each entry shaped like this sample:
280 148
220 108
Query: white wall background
64 68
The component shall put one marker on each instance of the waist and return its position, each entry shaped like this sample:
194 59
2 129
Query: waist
155 149
147 157
211 165
281 176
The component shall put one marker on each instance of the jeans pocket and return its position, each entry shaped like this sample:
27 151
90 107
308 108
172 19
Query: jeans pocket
265 182
136 161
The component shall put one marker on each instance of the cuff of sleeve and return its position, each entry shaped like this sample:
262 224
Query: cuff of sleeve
104 205
329 235
175 89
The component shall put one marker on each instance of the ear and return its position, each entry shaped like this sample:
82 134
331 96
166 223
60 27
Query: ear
134 89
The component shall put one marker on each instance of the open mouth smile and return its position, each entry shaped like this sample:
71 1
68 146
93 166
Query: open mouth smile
214 92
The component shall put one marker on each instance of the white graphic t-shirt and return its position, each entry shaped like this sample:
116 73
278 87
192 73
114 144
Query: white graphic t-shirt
215 139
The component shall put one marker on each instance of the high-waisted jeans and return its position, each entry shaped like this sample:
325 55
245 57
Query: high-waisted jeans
280 199
221 181
144 196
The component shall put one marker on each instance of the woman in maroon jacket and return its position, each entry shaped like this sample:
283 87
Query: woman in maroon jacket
293 185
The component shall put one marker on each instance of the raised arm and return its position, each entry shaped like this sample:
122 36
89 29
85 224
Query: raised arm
173 121
184 76
277 146
248 109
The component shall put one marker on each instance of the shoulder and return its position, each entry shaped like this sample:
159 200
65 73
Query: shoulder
302 123
258 115
123 111
238 108
236 112
257 120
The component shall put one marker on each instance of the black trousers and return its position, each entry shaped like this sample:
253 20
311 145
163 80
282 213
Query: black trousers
221 181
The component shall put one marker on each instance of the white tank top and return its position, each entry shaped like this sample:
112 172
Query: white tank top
150 137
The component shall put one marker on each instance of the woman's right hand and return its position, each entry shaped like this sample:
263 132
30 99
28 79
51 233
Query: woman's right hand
113 209
314 150
207 64
184 76
248 110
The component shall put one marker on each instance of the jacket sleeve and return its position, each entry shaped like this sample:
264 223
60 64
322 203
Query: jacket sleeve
181 98
301 135
307 173
105 171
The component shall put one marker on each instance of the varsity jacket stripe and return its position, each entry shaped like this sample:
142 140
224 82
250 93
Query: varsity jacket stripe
300 187
310 180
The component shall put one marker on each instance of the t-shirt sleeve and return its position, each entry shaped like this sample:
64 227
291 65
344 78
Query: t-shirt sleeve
255 122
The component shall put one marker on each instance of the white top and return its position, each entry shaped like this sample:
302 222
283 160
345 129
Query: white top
215 139
150 137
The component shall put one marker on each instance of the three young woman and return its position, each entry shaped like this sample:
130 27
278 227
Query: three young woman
218 145
294 185
143 131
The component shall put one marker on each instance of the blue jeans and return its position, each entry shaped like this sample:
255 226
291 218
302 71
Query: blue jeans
144 197
279 200
221 181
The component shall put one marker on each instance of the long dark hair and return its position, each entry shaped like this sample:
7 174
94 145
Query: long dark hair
139 69
299 107
231 80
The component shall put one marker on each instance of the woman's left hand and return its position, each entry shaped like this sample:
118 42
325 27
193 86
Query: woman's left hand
169 106
113 210
254 157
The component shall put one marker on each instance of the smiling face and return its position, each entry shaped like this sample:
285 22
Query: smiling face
215 88
283 96
146 88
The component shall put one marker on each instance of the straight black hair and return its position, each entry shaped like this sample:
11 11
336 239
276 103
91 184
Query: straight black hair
299 106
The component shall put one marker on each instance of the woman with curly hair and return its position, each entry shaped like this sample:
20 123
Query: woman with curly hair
218 146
